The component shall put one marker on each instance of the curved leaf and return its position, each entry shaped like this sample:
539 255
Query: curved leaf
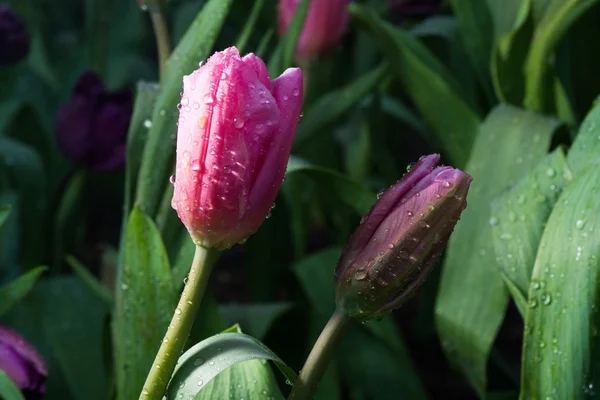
202 362
472 298
8 390
560 345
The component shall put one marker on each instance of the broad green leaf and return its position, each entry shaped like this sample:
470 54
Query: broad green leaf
350 192
14 291
250 24
283 56
585 151
28 177
255 319
73 320
561 327
432 88
8 390
141 122
557 19
201 363
373 356
145 299
96 287
159 152
333 105
472 299
519 217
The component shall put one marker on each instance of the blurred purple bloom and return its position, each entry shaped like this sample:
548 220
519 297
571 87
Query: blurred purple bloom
400 239
92 127
414 8
14 39
22 364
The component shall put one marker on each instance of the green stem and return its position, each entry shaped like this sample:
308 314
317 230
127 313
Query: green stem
162 38
319 357
179 329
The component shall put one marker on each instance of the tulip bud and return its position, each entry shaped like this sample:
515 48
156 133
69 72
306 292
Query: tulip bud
92 128
14 39
323 28
234 139
23 365
400 239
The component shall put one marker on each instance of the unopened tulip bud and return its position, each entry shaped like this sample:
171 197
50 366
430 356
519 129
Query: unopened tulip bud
400 239
233 142
323 28
22 364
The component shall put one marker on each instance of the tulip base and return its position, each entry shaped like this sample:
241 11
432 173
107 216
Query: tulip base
180 326
320 356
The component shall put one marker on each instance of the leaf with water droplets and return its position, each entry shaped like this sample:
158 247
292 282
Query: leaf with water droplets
532 200
472 297
565 284
223 360
144 303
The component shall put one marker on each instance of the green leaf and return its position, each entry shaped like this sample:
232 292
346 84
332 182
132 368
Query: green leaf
432 88
145 300
472 299
73 321
8 390
256 319
201 363
283 56
519 217
141 122
11 293
560 341
350 192
557 19
96 287
333 105
159 152
585 151
252 379
4 213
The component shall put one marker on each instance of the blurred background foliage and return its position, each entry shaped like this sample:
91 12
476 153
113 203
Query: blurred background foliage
499 87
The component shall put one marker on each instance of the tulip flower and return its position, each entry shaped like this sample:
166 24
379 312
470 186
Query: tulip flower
14 39
92 128
398 242
235 134
22 364
323 28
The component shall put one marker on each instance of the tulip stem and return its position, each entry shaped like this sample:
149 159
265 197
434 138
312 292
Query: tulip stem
320 356
162 38
180 327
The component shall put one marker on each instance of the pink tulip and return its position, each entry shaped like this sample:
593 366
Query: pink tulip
235 134
323 28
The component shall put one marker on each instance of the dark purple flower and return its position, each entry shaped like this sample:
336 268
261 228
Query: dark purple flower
22 364
400 239
414 8
92 128
14 39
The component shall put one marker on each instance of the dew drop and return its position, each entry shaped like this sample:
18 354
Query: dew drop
580 224
238 122
295 92
185 101
177 311
200 382
147 124
172 179
360 274
551 172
